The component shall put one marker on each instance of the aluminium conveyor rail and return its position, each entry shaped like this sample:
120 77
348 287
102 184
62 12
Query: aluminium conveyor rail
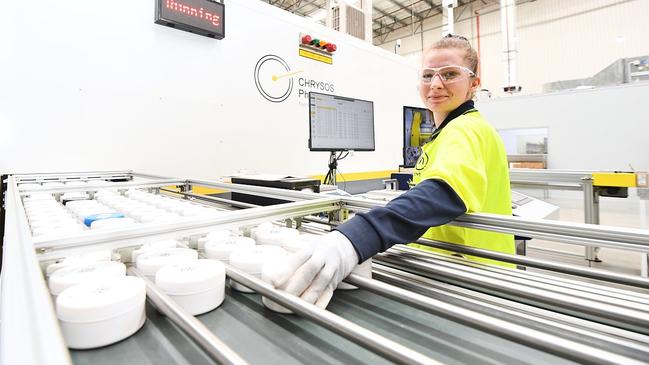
542 340
572 233
208 342
625 342
630 312
309 203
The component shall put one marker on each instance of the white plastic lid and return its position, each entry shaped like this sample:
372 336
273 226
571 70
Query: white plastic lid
275 235
112 223
39 196
80 273
297 243
74 194
88 257
57 231
221 248
152 246
29 186
260 228
150 262
100 300
190 278
252 259
213 235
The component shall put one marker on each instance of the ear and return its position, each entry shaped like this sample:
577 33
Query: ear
475 83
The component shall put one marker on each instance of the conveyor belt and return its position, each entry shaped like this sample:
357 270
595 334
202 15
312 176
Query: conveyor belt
261 336
446 309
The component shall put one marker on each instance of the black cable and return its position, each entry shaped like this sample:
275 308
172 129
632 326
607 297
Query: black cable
333 166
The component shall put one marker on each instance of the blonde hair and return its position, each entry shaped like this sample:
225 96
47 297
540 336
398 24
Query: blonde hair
458 42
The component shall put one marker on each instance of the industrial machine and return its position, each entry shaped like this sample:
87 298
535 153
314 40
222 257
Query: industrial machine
419 307
418 126
274 181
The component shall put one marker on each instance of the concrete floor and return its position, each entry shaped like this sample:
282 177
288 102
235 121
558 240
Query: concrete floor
619 212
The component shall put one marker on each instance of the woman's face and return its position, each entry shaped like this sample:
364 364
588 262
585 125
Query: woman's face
445 96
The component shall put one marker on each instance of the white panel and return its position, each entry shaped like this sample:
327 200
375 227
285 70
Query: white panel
90 86
594 129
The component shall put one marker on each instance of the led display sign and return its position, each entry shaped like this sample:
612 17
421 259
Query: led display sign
202 17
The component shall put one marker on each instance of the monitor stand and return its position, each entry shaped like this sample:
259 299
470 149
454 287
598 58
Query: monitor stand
330 178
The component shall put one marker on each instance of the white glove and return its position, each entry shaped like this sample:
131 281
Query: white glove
314 272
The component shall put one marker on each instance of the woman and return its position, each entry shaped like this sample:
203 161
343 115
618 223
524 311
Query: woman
462 169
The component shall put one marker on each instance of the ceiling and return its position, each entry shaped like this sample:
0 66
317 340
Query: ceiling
387 15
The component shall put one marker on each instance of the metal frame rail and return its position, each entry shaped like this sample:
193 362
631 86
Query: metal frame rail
548 342
588 235
41 339
619 310
565 180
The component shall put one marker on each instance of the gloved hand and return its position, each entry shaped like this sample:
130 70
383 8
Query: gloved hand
314 272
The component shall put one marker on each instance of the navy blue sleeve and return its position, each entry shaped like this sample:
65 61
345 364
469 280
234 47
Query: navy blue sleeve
404 219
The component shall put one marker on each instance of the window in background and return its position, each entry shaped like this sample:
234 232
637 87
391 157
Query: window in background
526 147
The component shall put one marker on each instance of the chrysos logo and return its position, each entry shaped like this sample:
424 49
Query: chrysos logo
273 78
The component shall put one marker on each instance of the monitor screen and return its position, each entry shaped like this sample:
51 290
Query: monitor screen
418 126
340 124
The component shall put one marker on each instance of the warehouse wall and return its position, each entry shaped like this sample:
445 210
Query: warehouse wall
81 91
96 86
596 129
558 40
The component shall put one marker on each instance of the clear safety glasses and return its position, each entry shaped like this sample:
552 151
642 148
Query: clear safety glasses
448 74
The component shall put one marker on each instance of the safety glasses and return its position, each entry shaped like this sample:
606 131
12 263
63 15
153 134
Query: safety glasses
448 74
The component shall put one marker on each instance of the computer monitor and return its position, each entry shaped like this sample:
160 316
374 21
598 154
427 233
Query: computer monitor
418 126
338 123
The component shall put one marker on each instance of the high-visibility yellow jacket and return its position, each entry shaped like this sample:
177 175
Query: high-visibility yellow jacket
468 154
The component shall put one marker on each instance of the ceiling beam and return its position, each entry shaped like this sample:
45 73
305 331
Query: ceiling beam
421 15
405 7
390 16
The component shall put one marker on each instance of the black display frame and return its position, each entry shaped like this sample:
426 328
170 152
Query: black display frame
311 148
178 23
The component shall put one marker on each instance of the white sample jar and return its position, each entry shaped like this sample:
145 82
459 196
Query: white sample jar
112 223
220 248
252 259
200 242
152 246
29 186
275 235
303 241
262 227
150 262
83 272
54 231
102 312
34 197
363 269
84 258
198 286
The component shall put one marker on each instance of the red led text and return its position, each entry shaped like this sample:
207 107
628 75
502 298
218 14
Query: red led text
191 11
